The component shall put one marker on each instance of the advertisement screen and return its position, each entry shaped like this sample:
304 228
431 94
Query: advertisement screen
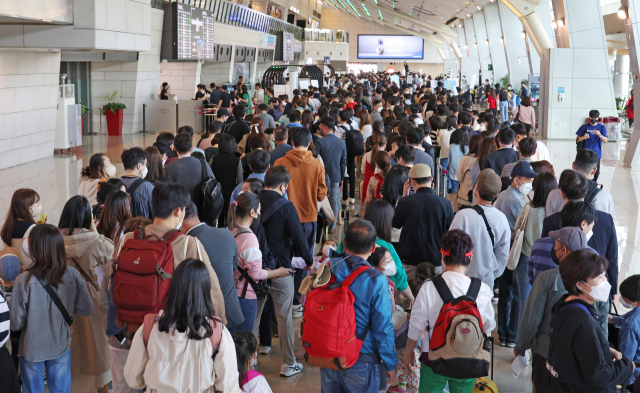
390 47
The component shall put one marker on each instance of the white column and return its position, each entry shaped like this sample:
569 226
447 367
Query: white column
632 156
484 52
621 76
496 46
470 65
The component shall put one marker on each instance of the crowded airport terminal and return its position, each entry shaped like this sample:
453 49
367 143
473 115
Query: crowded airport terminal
319 196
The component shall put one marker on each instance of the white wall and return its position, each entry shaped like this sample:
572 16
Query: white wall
182 78
28 101
516 46
137 81
317 50
52 10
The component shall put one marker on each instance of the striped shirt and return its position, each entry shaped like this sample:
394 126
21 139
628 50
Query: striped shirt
540 259
4 320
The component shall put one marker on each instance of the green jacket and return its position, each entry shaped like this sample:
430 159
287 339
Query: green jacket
533 329
400 278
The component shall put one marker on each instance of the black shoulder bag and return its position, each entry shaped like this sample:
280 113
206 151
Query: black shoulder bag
56 300
262 287
480 211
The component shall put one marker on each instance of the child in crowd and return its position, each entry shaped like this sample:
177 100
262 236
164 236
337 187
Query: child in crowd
629 324
408 378
250 380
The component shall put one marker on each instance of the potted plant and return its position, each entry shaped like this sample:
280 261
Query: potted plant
85 110
113 111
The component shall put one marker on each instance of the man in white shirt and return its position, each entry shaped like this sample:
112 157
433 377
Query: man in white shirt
491 238
586 162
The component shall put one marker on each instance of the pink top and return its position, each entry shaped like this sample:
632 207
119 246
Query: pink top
205 144
249 258
527 114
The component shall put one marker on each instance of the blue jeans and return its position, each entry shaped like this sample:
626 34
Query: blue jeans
522 282
334 201
249 308
504 110
453 186
58 374
361 378
507 308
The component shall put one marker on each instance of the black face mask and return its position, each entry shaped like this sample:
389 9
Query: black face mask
594 122
554 257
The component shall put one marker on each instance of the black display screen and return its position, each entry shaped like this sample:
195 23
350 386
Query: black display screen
187 33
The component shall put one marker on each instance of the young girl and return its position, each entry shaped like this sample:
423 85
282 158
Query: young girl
250 268
250 380
179 355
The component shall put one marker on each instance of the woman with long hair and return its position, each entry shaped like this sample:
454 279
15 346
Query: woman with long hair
463 175
307 119
491 100
395 181
88 252
379 141
25 206
116 212
179 355
155 173
381 164
365 124
45 334
250 266
100 167
243 97
104 189
487 147
527 114
256 128
536 213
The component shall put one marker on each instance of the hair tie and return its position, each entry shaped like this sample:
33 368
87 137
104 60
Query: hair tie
235 203
448 253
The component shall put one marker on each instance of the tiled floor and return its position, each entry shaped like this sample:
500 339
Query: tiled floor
56 179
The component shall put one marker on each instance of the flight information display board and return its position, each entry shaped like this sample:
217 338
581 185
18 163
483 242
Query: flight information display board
193 33
287 46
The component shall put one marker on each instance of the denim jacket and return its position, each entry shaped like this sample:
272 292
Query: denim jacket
629 337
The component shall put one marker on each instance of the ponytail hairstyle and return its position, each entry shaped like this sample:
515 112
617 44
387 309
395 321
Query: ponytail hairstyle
241 208
246 345
379 142
96 167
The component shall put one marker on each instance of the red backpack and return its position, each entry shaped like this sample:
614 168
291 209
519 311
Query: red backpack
141 278
459 347
329 325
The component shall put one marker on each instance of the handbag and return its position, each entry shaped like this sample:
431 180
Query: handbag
516 247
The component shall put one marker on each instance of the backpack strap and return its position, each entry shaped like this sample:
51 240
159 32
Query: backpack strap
203 166
474 288
480 211
133 187
171 236
351 277
442 288
216 336
275 206
592 195
241 231
147 326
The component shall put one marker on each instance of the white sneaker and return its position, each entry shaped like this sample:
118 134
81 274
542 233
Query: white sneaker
288 371
296 311
254 363
265 349
352 201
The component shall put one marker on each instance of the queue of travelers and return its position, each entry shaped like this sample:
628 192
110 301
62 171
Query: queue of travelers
168 277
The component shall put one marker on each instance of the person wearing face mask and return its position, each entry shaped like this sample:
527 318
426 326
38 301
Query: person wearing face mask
546 292
24 210
629 325
375 113
100 167
456 249
591 136
574 187
510 202
140 190
580 358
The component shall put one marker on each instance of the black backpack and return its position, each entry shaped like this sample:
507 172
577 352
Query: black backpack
358 141
208 199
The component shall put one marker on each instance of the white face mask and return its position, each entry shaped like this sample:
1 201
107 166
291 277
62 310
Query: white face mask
326 249
163 161
589 234
599 293
625 304
180 223
389 269
525 188
111 170
36 211
379 109
144 172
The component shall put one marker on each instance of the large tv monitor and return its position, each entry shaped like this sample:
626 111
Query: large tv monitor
380 46
187 33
